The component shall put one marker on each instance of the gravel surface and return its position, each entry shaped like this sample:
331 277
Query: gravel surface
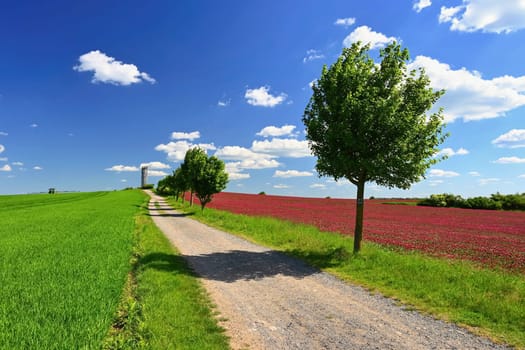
268 300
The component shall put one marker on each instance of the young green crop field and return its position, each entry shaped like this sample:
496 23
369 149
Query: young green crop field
64 259
80 271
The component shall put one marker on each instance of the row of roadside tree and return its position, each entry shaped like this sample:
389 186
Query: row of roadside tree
203 176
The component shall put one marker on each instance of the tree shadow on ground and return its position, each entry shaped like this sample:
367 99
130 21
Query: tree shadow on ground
233 265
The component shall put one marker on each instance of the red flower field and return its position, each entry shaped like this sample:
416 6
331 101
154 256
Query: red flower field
493 238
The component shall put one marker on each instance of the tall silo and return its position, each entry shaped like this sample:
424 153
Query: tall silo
144 176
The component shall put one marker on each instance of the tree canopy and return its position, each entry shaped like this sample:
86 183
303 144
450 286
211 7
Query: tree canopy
369 122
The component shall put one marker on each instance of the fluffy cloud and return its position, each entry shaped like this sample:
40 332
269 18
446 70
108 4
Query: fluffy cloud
509 160
6 167
442 173
177 150
449 152
474 173
176 135
155 165
245 159
283 148
291 173
3 159
2 148
318 186
276 132
421 4
107 70
122 168
234 172
38 168
366 35
157 173
281 186
261 97
522 176
488 16
312 55
239 153
468 95
2 133
515 138
345 22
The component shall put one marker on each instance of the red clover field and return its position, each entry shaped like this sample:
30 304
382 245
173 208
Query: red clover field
64 259
492 238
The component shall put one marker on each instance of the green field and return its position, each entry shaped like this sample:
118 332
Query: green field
63 262
80 271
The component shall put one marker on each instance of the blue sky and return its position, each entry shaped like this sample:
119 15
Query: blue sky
90 91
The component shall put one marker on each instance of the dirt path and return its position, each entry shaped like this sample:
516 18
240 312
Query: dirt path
271 301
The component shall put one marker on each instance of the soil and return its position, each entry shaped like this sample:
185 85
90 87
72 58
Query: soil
268 300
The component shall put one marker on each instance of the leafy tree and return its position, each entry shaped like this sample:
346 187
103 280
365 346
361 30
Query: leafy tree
204 176
212 179
368 122
194 162
179 183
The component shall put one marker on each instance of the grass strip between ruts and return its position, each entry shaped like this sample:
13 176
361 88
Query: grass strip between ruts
488 302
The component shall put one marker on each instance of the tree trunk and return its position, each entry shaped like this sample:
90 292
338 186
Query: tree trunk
191 198
358 233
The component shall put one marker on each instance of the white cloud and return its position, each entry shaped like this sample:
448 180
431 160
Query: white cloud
421 4
3 159
515 138
176 135
2 148
176 151
275 131
256 164
155 165
442 173
435 183
6 167
489 16
233 176
2 133
474 173
283 148
366 35
345 22
509 160
522 176
281 186
156 173
261 97
449 152
312 55
239 153
107 70
38 168
468 95
291 173
484 182
122 168
223 103
320 186
33 125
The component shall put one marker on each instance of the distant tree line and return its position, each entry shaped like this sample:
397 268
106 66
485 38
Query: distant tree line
201 175
494 202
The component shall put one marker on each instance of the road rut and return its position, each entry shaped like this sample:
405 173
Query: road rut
268 300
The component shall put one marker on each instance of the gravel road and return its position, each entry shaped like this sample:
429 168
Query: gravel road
272 301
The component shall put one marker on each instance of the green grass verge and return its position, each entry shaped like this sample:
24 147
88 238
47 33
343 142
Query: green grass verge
489 302
163 305
63 262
